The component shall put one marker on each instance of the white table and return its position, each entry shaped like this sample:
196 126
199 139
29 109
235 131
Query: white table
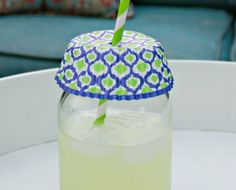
204 154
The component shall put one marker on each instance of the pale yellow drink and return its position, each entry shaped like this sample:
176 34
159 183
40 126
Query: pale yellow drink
131 152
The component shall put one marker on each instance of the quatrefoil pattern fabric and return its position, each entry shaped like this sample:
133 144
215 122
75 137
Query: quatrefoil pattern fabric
137 68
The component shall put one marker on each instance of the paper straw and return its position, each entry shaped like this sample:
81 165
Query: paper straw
118 33
101 112
120 21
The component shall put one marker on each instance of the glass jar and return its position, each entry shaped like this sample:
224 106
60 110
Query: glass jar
130 151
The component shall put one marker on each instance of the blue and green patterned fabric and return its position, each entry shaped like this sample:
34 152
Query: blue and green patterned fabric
136 68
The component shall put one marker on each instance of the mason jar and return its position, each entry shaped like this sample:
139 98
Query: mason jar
115 113
131 150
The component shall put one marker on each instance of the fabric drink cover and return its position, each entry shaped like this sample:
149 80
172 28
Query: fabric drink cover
136 68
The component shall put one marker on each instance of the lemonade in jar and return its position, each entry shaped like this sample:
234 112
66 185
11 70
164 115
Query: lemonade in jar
115 119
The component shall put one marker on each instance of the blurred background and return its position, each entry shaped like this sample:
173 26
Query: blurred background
35 33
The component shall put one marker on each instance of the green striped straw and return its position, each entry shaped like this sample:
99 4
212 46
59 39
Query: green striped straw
120 21
118 33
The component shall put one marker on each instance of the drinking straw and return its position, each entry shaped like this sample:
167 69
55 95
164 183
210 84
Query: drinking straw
118 33
120 22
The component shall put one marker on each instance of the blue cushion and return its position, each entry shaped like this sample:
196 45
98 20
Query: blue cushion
44 36
186 33
227 43
10 65
233 50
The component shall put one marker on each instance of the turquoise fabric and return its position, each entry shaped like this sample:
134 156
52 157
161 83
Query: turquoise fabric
233 50
44 36
227 42
186 33
10 65
214 3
